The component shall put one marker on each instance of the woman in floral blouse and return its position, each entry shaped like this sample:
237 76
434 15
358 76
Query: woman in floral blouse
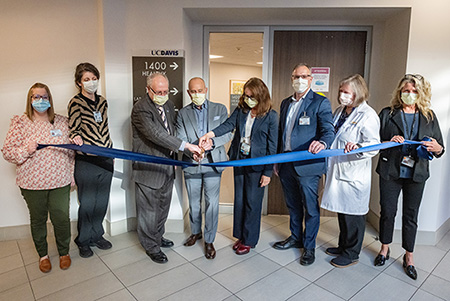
43 176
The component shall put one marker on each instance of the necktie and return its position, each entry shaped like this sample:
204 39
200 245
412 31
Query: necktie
163 117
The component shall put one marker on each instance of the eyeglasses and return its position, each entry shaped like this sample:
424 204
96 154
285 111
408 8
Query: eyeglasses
416 76
304 76
161 93
37 97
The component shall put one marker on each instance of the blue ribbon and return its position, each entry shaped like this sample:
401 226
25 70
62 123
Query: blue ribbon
272 159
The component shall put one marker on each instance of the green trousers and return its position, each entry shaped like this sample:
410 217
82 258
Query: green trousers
40 204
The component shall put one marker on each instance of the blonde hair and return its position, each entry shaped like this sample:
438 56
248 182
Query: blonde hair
423 89
358 86
29 109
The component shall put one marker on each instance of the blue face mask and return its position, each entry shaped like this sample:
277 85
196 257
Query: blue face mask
41 105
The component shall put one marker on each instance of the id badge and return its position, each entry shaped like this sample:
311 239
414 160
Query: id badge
245 146
56 133
304 120
98 116
408 161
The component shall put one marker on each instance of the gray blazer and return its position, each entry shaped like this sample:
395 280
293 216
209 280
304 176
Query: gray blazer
151 137
187 131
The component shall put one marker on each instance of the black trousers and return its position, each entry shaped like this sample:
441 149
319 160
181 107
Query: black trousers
152 206
248 196
93 176
351 234
412 196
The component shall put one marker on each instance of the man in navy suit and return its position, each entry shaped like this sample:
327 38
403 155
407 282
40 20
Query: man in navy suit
305 124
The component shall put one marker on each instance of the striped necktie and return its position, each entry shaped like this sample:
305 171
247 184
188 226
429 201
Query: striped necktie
163 117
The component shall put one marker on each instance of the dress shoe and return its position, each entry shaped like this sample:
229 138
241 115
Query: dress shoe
102 244
287 244
380 260
166 243
210 252
159 257
333 251
45 265
410 270
192 239
64 262
85 251
343 262
308 257
237 244
243 249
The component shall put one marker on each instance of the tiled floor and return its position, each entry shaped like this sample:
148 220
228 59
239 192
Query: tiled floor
126 273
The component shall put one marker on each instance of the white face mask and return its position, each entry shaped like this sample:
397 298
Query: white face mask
198 98
346 98
300 85
251 102
91 86
409 98
160 100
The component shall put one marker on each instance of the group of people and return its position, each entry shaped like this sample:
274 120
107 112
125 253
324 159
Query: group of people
199 132
45 176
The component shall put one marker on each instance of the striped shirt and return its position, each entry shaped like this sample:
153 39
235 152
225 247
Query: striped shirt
89 119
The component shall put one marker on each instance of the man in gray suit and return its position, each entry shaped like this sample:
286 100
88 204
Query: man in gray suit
193 121
153 123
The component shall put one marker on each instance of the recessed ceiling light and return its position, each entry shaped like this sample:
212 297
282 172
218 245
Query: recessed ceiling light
213 56
259 63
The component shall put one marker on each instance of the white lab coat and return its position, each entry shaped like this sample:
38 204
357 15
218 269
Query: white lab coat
347 186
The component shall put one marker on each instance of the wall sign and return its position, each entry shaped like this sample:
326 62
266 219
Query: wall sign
168 62
321 79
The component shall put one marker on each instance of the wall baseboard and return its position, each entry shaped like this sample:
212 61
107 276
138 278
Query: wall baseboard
179 225
427 238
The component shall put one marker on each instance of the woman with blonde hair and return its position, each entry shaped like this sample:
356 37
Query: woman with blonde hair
43 176
256 132
347 188
409 117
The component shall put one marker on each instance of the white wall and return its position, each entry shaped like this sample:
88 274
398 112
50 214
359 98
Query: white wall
40 43
45 40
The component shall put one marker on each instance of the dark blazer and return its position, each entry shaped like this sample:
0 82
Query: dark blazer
390 159
151 137
320 128
263 138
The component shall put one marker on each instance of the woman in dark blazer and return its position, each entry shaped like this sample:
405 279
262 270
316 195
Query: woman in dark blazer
401 168
256 135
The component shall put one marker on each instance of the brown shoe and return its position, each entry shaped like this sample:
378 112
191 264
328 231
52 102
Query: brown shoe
210 252
64 262
192 239
45 265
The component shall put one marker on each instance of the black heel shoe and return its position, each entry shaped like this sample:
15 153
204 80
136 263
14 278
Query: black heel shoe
380 260
410 270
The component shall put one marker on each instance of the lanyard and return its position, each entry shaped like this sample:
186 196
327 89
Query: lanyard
406 124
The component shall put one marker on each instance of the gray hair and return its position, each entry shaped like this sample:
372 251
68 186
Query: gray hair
301 65
152 76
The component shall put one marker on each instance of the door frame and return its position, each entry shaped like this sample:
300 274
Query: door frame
268 38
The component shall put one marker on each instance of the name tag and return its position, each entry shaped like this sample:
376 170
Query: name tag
98 117
56 133
245 146
408 161
304 120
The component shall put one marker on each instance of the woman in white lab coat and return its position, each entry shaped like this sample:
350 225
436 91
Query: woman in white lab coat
347 187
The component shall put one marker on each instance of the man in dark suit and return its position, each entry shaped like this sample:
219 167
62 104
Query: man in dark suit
193 121
153 123
305 124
